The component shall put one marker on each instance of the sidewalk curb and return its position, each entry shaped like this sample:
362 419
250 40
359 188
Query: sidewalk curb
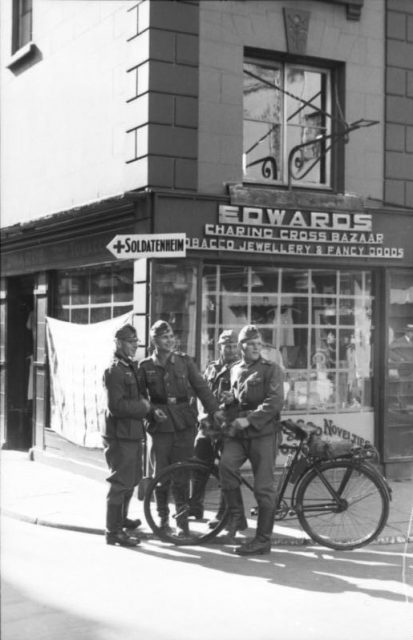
286 542
48 523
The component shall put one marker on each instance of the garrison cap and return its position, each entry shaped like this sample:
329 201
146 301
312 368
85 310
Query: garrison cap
249 332
159 328
126 332
228 337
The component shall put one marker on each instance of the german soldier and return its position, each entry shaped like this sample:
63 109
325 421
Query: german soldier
173 383
258 395
217 375
123 436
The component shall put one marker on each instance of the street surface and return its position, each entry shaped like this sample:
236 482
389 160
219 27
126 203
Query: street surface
61 585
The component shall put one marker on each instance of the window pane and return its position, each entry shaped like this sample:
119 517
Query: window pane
100 287
122 285
99 314
262 122
400 351
81 316
93 296
306 103
174 300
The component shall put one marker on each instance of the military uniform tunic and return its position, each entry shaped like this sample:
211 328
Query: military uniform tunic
173 387
123 431
259 395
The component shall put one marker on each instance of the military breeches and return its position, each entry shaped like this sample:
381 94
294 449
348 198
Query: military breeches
261 452
167 448
124 459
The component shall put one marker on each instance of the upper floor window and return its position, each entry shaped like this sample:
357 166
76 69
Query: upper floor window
22 23
286 105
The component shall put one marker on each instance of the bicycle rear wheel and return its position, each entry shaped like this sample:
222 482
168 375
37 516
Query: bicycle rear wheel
177 492
356 517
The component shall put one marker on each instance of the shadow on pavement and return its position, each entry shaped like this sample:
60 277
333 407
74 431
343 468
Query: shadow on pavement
308 568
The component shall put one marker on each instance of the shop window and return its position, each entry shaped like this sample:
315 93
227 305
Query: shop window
174 297
286 105
399 388
22 24
316 323
86 297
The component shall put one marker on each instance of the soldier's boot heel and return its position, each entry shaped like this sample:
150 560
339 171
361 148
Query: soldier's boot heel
121 539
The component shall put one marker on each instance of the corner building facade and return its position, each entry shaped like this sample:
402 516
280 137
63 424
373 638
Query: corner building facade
277 136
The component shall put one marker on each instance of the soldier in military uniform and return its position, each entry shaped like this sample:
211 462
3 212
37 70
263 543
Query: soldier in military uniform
217 375
123 436
258 396
173 383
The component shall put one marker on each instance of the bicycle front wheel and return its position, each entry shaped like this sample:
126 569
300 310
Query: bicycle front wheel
182 500
342 505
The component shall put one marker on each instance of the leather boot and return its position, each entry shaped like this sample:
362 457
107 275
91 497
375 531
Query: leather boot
214 522
262 542
114 533
127 522
161 495
196 506
237 520
180 494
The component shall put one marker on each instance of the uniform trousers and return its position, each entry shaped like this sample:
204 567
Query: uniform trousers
261 452
167 448
124 459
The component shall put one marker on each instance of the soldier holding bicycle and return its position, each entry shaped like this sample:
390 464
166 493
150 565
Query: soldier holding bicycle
258 397
172 383
217 375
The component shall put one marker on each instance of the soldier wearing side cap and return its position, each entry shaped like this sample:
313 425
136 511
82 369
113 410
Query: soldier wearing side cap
258 396
123 436
217 375
173 383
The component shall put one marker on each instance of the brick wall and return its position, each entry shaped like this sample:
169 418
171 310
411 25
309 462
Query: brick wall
227 27
163 98
398 169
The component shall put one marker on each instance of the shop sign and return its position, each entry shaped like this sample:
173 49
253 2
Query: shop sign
291 232
154 245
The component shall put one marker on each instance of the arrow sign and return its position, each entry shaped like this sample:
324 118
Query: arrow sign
153 245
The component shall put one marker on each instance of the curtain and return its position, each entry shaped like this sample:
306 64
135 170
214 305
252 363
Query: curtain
78 355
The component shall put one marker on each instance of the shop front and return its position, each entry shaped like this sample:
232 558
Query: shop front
327 279
331 289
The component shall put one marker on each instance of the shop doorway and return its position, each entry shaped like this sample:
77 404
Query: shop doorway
20 348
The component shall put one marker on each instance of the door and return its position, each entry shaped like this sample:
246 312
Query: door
19 357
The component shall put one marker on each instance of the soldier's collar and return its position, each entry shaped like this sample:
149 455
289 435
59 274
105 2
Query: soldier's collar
127 362
170 358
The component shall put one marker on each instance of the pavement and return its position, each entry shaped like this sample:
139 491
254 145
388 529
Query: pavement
47 495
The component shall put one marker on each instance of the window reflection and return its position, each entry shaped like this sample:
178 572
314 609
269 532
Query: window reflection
174 300
399 388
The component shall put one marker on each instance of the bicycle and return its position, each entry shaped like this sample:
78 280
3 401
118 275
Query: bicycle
341 502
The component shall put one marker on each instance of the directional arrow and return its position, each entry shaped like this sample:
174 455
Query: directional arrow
154 245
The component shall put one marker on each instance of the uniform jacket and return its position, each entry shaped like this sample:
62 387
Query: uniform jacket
173 387
217 375
124 407
259 396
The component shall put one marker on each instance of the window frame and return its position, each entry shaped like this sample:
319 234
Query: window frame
335 95
19 26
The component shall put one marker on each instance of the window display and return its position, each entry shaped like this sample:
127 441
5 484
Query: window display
400 350
316 323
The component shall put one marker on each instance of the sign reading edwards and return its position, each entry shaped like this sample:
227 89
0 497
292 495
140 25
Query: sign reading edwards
291 232
154 245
